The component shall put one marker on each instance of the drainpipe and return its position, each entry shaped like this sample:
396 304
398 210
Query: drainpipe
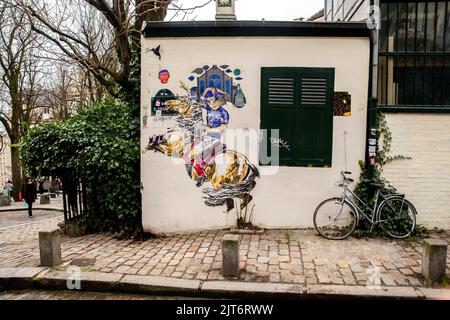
374 39
372 95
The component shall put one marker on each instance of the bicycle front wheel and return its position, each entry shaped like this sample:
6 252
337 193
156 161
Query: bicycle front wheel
335 219
397 217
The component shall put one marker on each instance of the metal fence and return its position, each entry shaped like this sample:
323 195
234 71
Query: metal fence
74 200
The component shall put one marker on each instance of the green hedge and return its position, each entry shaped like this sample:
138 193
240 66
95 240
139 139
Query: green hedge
100 146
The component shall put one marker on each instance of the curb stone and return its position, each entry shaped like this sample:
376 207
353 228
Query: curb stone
435 294
47 278
234 289
159 285
344 291
19 278
90 281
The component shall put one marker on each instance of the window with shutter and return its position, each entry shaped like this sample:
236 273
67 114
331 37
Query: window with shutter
298 102
281 91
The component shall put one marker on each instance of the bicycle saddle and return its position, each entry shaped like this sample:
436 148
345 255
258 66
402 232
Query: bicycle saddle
377 184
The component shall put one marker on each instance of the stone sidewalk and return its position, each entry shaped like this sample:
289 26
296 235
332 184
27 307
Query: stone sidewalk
276 256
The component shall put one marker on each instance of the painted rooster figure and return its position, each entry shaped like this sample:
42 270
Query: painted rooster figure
230 173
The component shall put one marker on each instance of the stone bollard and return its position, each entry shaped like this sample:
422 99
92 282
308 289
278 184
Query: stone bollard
50 247
45 199
230 255
434 256
5 201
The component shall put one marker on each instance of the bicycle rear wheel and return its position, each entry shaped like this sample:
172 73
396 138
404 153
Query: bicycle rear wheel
397 217
334 219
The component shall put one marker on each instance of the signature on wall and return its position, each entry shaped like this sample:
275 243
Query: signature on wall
281 143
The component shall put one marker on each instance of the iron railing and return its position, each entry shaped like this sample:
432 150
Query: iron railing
414 56
74 200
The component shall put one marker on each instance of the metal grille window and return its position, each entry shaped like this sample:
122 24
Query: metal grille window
414 57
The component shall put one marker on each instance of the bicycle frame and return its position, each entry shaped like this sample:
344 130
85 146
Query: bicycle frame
372 219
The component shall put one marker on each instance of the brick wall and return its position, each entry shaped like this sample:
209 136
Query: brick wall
426 178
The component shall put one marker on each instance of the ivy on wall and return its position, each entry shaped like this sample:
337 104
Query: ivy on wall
363 189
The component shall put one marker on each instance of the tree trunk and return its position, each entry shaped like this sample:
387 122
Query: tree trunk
16 169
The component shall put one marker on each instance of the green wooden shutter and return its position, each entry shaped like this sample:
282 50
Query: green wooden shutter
298 102
315 116
279 96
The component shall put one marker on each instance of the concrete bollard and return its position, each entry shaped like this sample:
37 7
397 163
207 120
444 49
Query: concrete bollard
50 247
45 199
5 201
434 256
230 255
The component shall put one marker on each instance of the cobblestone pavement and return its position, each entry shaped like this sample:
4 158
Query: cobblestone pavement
79 295
14 218
19 245
295 256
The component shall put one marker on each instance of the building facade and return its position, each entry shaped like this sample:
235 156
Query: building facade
346 10
414 94
248 78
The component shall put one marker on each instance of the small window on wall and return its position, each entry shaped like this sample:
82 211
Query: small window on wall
299 103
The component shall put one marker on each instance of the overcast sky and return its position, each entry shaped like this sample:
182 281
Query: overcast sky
256 9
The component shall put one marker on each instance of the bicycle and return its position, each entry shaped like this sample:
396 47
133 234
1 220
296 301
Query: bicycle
336 218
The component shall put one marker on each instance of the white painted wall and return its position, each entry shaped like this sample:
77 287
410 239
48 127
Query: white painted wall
172 203
425 178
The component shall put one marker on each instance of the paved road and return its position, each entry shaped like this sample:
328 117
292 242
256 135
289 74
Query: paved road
78 295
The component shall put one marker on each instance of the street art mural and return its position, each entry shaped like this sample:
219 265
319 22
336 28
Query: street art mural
164 76
222 78
342 104
158 107
197 137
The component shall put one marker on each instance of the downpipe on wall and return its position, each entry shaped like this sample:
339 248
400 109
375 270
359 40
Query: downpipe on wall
373 80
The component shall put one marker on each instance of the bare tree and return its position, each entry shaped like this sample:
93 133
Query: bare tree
99 35
103 36
70 89
20 75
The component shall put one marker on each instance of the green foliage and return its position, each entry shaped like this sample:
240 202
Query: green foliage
363 189
385 135
100 146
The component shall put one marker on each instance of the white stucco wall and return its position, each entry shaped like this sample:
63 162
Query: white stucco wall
171 201
425 178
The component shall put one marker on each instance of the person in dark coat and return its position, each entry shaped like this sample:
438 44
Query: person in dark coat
29 194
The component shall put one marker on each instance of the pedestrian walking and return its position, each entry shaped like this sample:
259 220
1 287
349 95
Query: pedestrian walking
46 185
29 194
57 186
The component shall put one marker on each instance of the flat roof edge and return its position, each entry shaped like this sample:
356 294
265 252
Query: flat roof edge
162 29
